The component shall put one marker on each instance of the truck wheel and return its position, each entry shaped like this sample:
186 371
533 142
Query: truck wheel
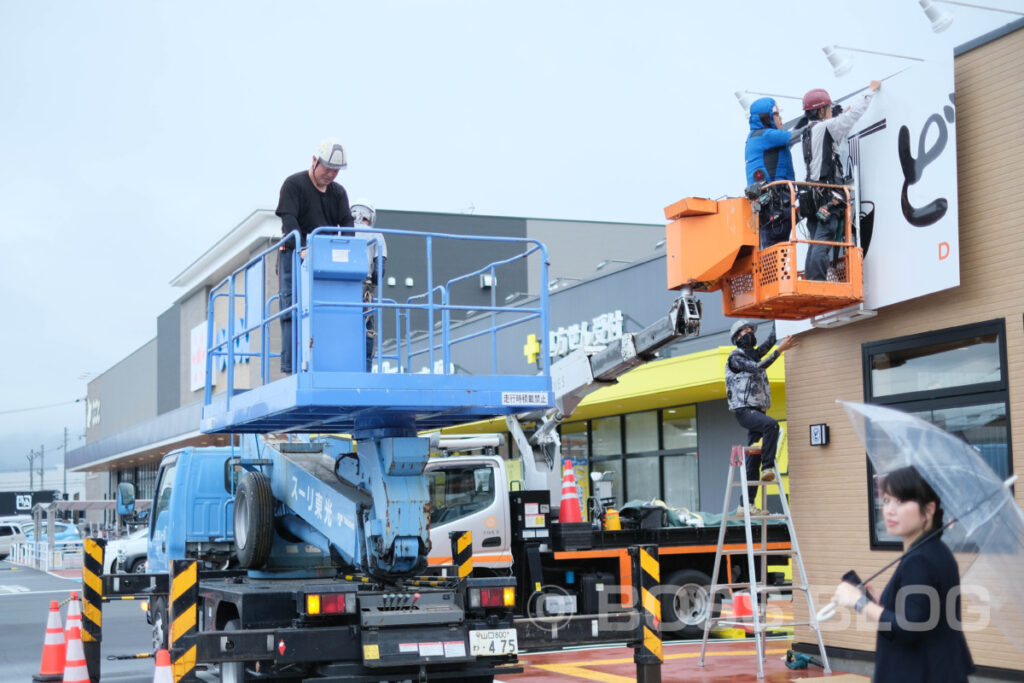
254 520
159 616
684 609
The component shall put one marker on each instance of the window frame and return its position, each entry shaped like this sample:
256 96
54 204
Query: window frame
962 396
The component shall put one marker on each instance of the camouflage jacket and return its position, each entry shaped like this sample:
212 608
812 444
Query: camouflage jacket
746 382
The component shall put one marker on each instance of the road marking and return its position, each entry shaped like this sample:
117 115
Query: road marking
582 669
5 591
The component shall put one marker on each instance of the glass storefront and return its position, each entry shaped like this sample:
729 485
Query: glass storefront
650 454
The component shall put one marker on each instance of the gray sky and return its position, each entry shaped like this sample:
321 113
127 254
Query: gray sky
135 134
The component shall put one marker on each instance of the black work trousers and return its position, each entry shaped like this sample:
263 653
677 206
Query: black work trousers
758 426
284 280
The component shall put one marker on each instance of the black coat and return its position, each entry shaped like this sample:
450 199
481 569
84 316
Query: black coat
922 641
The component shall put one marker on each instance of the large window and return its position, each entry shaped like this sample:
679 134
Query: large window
650 454
954 378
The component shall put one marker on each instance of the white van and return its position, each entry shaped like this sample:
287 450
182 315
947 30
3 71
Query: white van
10 533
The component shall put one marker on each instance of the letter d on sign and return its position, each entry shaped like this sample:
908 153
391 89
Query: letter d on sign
943 251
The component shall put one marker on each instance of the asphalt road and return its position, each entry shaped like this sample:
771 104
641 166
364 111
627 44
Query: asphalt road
25 596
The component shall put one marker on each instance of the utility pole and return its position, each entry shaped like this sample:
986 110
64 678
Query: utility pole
41 466
31 472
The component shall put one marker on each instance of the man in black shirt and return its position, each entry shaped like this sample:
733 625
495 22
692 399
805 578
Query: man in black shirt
309 200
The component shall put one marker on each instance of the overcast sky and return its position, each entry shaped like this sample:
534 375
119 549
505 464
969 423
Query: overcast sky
135 134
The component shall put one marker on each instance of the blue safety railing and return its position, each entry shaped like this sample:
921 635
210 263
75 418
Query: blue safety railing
252 310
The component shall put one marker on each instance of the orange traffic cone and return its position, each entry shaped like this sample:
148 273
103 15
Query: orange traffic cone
74 619
569 511
51 668
75 668
742 607
163 668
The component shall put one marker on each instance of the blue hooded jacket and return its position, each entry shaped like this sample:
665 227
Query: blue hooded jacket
767 146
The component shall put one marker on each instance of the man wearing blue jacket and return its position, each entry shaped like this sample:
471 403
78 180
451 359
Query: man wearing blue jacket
768 159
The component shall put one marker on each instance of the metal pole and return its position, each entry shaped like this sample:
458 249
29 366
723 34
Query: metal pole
65 468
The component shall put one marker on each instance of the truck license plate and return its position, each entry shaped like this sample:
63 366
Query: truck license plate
493 643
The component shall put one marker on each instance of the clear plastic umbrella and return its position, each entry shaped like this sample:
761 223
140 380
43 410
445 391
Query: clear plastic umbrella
987 527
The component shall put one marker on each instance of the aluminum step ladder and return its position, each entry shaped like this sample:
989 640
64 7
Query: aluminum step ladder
758 590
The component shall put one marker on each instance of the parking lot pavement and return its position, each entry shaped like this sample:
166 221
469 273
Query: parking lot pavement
25 596
727 661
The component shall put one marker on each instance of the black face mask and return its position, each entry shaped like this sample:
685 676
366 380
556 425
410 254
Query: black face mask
746 341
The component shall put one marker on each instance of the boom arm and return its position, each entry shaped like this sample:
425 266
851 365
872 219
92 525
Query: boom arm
581 373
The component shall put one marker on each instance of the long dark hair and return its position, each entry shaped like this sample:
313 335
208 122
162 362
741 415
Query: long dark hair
906 484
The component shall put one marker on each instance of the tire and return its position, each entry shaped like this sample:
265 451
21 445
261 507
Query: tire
138 566
232 672
254 520
158 611
684 609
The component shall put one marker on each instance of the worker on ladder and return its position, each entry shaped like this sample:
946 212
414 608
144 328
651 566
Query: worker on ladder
828 126
750 396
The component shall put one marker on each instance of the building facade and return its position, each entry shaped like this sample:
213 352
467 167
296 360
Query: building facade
955 358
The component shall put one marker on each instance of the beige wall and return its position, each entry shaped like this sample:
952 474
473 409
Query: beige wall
829 485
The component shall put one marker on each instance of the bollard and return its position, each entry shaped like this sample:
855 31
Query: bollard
92 604
183 606
647 653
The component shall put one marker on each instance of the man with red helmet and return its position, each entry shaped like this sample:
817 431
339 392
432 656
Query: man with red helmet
821 142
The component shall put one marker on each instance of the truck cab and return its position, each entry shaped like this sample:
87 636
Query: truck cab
470 493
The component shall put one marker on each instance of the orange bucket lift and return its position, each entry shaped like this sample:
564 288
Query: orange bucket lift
715 244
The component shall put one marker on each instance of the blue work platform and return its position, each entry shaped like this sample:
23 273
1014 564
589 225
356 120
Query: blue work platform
336 309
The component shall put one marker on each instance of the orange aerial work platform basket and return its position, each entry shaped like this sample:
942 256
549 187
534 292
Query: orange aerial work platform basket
715 244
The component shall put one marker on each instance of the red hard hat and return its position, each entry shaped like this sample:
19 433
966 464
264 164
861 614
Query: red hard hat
816 98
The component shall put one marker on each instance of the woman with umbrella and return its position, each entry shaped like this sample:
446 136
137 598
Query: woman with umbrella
918 614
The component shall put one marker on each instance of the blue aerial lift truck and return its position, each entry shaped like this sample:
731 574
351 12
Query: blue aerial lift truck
300 552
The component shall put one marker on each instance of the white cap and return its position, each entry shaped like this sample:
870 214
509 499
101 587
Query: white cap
331 154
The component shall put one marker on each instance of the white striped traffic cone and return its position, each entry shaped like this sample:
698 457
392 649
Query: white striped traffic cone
74 618
51 668
75 669
163 673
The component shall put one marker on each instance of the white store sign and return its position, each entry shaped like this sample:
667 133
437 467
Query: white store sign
905 149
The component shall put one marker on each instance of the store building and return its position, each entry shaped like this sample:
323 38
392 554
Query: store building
606 280
954 357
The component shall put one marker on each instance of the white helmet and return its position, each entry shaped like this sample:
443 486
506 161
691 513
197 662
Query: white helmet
331 154
363 212
736 327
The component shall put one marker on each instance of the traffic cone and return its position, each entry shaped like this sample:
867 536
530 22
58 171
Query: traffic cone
51 668
569 511
162 674
742 607
75 668
74 618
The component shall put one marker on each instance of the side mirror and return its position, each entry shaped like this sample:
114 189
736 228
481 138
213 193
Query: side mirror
125 498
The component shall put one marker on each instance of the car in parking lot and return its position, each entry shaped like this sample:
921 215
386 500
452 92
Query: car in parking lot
127 554
10 533
66 533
